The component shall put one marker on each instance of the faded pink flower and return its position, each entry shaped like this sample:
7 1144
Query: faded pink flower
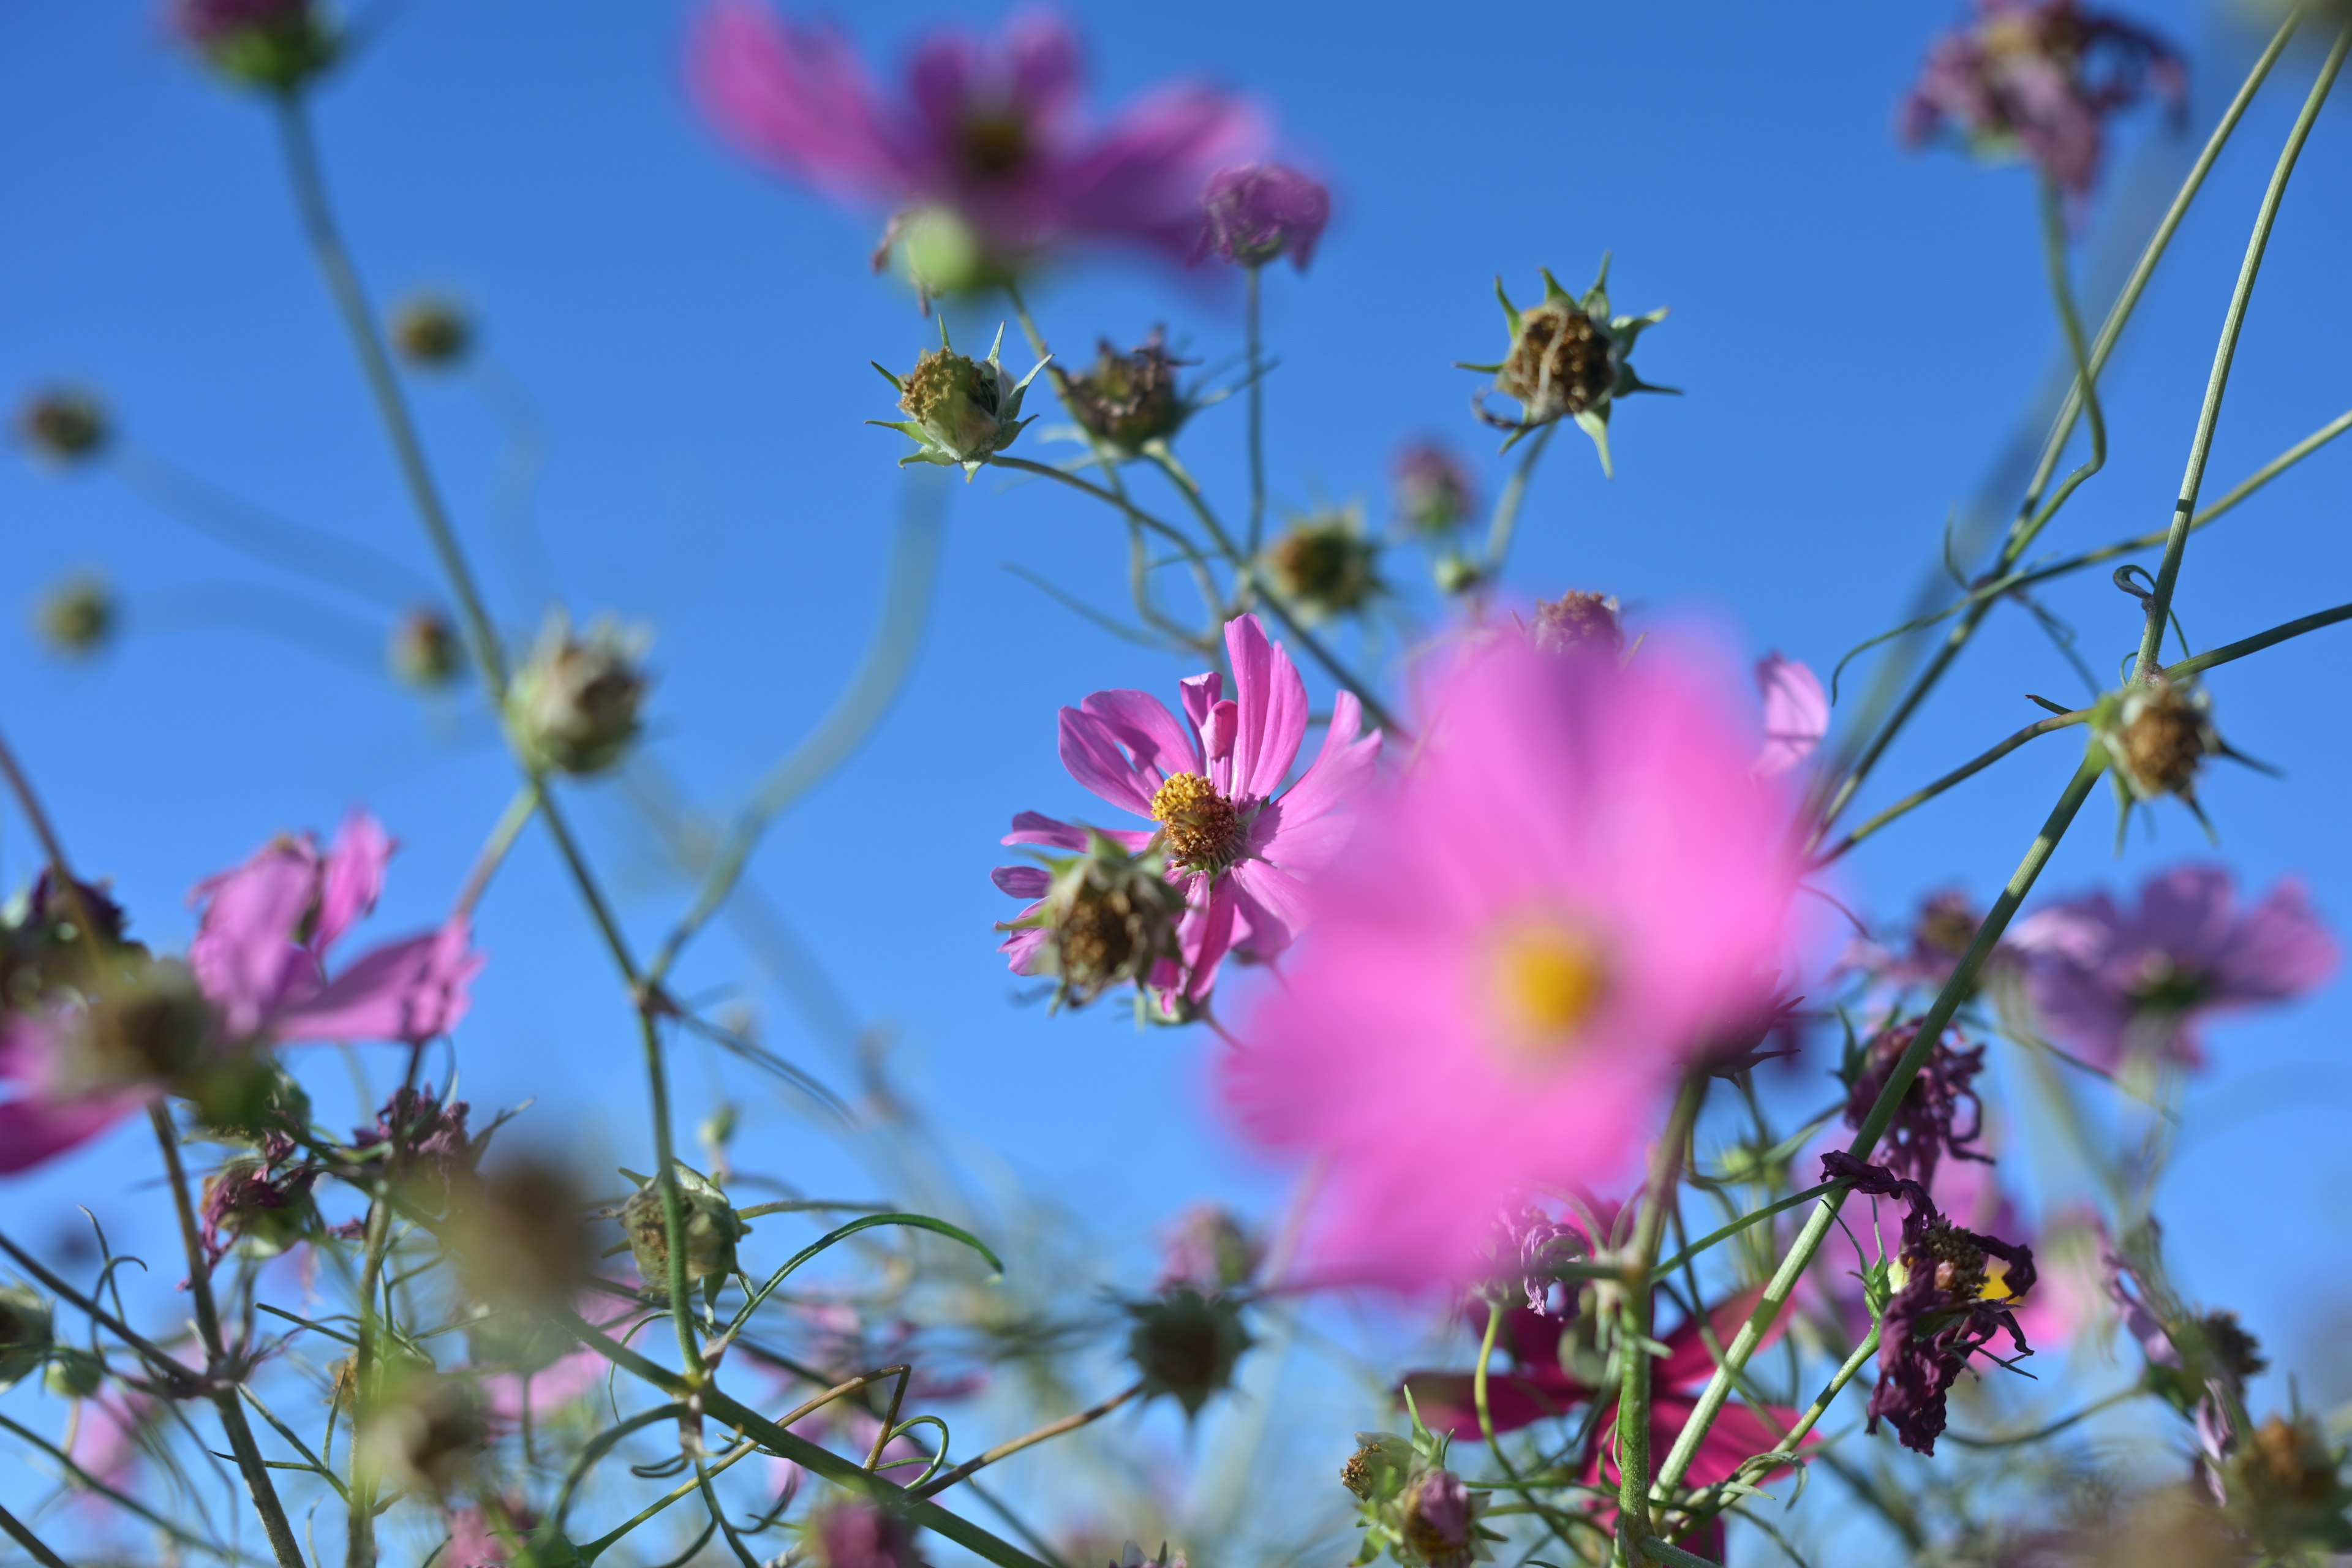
1240 845
1579 888
1261 212
1796 713
506 1395
992 129
474 1537
255 977
2112 984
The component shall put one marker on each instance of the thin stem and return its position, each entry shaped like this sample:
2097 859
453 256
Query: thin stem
1683 1258
29 802
219 1371
1873 1127
1634 1522
30 1541
1256 411
1967 769
673 1202
160 1361
2049 1429
503 834
2086 383
2168 574
1506 521
1070 1423
2259 641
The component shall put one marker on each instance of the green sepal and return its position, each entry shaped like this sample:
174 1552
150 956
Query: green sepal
891 376
1594 422
1510 315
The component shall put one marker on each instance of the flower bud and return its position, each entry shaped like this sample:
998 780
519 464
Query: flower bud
1186 1344
521 1235
426 652
421 1431
277 45
64 425
1578 622
1433 490
1377 1469
431 332
939 253
1111 917
1568 359
2285 1489
1438 1515
1259 212
1127 400
711 1229
77 617
1209 1249
258 1207
1324 565
73 1374
855 1532
26 1330
961 411
1457 575
2157 734
573 707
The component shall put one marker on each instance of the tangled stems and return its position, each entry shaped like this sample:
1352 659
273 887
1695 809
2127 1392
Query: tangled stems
1717 1498
2168 574
1873 1127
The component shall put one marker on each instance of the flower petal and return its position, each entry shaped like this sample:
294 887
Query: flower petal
1796 713
1272 717
409 991
1022 881
353 878
1090 750
244 954
797 99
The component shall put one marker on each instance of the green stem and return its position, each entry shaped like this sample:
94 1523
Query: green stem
1968 769
2259 641
30 1541
1716 1499
503 834
1506 521
1257 413
1069 1423
2049 1429
1873 1127
2168 574
1634 1522
1726 1232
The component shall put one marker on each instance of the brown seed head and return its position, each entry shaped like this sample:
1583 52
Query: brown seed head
1560 364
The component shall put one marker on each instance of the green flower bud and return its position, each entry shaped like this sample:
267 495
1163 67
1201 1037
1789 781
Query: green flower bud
78 617
961 411
713 1228
1112 916
64 425
1325 565
26 1330
425 653
573 707
277 47
1186 1344
431 332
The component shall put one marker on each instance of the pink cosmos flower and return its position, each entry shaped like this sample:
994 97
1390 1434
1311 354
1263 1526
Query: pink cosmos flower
255 977
1254 213
992 130
1240 845
1796 713
2111 984
1579 888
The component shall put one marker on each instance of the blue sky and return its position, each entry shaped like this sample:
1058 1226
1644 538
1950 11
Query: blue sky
1858 328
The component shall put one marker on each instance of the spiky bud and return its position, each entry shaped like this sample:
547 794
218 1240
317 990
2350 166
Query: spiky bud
1126 400
26 1332
1186 1344
573 707
2157 735
1580 623
77 617
960 411
1570 359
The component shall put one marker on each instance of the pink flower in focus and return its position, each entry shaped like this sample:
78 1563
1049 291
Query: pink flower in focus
2111 984
1579 888
992 130
255 977
1240 845
1796 713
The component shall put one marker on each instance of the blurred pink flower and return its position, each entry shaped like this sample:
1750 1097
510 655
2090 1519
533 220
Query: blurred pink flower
992 129
1580 887
474 1537
1241 846
208 24
260 968
2111 984
2043 77
1796 713
548 1390
1260 212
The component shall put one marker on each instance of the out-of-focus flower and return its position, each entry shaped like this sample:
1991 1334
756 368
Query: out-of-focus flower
1578 623
260 1203
1529 1247
1954 1290
1210 1249
420 1430
1579 889
484 1535
425 653
1131 1556
1939 1114
278 44
432 332
1938 939
1186 1344
1127 401
64 425
1259 213
422 1135
2112 985
1438 1521
541 1390
961 411
2285 1490
521 1235
1100 920
573 706
112 1435
853 1532
1240 845
1796 713
78 616
1570 359
1434 491
255 977
991 131
2042 77
26 1332
1325 565
711 1229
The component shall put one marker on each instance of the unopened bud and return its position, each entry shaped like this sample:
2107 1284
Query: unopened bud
711 1229
1325 565
431 332
1209 1249
26 1330
64 425
73 1374
573 707
276 45
2159 735
1186 1344
1432 489
521 1235
426 652
78 617
1439 1520
960 411
422 1431
260 1209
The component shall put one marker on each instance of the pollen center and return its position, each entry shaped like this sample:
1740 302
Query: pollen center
1544 980
1200 827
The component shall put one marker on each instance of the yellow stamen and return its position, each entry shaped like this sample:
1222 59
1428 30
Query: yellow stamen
1202 832
1544 980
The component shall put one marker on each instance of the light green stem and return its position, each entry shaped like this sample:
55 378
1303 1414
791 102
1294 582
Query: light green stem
2259 641
1634 1522
1967 769
1506 521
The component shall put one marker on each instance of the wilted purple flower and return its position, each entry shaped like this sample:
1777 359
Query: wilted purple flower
1259 212
992 131
1530 1246
2206 1393
1929 1118
1434 493
433 1134
2040 77
1954 1291
2112 985
258 1197
1210 1249
855 1533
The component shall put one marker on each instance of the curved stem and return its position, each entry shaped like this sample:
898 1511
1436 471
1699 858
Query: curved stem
1070 1423
2201 446
1965 771
2051 1428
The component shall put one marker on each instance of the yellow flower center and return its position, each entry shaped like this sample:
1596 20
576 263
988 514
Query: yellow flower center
1200 827
1543 979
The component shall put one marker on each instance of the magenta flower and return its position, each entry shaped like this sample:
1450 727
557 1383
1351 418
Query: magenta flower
1261 212
2111 984
1241 846
255 977
1579 888
991 129
2041 77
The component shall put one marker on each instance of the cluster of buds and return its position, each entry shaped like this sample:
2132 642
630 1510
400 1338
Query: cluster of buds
77 618
431 332
425 653
1570 359
960 411
573 707
1185 1343
1326 564
422 1136
1129 401
275 45
64 425
1413 1507
2157 735
1578 622
710 1230
27 1331
1111 917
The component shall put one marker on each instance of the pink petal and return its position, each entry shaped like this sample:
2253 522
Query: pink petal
33 1132
1201 694
1154 736
409 991
1796 713
244 954
1022 881
1090 750
2279 950
1273 713
1035 827
797 99
354 878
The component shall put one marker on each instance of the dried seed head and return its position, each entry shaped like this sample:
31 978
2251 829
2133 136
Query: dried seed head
1325 565
1186 1344
146 1023
1129 399
573 706
2162 735
426 652
1561 362
1112 917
